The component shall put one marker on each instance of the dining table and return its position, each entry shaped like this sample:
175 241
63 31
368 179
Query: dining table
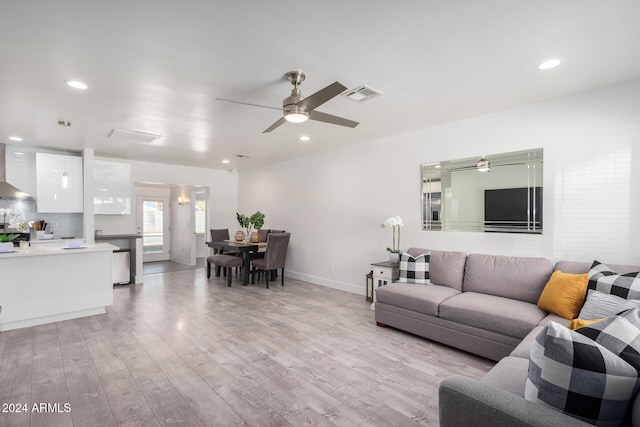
245 249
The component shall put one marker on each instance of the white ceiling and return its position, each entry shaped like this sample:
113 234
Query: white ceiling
157 65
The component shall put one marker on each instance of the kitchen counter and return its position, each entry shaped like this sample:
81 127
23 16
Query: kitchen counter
118 236
47 283
56 247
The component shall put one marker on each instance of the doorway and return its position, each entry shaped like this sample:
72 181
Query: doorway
153 224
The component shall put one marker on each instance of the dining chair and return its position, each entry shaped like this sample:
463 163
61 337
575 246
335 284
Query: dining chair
218 235
275 256
262 234
257 255
225 261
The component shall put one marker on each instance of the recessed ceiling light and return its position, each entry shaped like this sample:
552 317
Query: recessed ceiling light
549 63
225 161
15 138
304 138
76 84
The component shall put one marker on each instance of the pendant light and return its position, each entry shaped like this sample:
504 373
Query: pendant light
65 172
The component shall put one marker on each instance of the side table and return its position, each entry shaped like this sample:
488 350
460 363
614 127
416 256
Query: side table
384 272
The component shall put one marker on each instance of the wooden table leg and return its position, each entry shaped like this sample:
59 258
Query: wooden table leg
247 266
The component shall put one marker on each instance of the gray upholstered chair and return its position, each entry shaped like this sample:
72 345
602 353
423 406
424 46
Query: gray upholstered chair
261 254
218 235
262 234
274 257
226 261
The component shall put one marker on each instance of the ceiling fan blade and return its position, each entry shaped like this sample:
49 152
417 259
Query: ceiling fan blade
334 120
279 123
312 102
247 103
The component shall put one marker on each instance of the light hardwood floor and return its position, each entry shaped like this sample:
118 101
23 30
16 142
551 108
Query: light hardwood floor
182 350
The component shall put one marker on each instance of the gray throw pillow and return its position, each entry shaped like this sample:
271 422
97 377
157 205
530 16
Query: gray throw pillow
600 305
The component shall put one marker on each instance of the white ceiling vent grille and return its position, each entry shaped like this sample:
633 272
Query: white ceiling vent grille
121 135
361 93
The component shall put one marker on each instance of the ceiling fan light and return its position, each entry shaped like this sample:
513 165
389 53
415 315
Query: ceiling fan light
296 117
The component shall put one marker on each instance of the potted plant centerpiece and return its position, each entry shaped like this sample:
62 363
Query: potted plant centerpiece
243 220
395 222
248 223
257 221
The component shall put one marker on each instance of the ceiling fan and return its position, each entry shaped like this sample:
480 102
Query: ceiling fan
298 109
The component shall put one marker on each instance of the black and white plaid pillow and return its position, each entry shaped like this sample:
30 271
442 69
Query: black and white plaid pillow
414 269
579 377
620 334
603 279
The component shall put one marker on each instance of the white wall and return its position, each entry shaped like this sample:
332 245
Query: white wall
333 203
223 193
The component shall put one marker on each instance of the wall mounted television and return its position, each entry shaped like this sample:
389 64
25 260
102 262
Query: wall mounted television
509 210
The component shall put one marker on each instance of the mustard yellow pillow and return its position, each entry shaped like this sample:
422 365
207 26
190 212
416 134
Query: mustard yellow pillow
564 294
579 323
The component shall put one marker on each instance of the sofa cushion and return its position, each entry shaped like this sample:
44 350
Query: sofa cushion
418 298
414 269
502 315
518 278
553 318
604 279
446 268
522 350
564 294
579 377
509 374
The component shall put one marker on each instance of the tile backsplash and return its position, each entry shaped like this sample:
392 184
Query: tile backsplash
60 224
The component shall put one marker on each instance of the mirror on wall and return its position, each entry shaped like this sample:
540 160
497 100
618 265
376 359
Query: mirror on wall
498 193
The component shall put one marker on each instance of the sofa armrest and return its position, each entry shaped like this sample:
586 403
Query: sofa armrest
468 402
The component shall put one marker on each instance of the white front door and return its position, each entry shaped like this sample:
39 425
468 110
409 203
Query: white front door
153 223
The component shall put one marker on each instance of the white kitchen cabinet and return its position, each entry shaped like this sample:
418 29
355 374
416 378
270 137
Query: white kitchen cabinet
52 196
112 184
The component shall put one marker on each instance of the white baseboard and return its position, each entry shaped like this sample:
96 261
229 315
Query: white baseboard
183 261
316 280
59 317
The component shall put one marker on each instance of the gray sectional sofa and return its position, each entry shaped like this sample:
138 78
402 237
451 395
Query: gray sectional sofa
483 304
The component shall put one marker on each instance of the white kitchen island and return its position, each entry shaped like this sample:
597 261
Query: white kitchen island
50 283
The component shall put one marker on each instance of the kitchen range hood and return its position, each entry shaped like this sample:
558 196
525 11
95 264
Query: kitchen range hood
8 191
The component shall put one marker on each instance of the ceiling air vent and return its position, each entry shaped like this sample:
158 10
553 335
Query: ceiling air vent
121 135
361 93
